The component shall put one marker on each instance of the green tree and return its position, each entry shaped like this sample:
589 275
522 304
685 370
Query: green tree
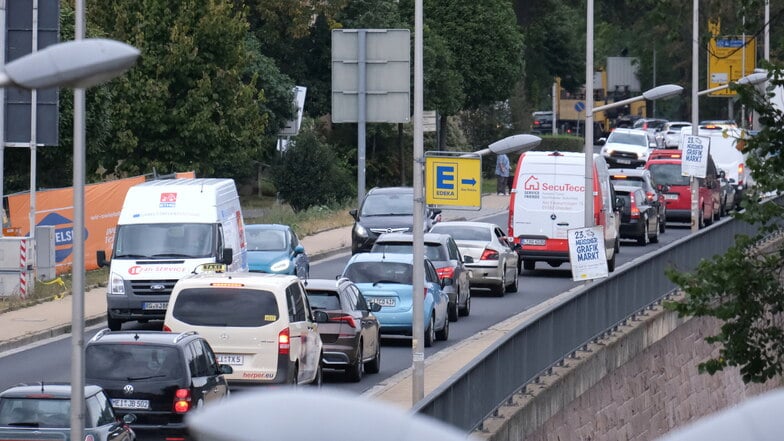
188 103
309 173
743 288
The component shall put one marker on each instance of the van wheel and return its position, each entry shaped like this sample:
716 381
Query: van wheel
430 332
708 221
529 265
294 379
113 323
443 334
318 379
655 237
355 370
374 365
643 240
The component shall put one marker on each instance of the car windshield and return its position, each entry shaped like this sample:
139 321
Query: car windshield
464 232
388 204
129 362
149 241
668 174
266 240
627 138
433 251
380 272
35 412
238 307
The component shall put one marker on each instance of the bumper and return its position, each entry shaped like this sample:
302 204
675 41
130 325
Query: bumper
632 230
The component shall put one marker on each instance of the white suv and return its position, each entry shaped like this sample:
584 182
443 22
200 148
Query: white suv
628 147
259 324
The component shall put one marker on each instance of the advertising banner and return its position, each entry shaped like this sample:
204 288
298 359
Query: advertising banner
103 202
586 253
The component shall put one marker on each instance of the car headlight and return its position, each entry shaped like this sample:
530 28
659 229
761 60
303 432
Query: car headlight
116 285
360 231
281 265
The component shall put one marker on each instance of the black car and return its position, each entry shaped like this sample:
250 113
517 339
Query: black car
351 337
385 210
156 376
654 192
43 411
442 250
639 220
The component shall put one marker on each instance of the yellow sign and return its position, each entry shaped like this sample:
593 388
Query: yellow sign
729 60
453 181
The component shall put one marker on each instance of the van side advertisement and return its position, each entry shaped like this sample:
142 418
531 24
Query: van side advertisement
554 203
102 205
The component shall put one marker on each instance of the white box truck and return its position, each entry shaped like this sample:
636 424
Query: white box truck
166 229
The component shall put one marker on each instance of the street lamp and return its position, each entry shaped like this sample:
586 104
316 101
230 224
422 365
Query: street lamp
755 78
509 144
657 93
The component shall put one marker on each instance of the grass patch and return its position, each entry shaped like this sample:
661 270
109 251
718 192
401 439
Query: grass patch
54 289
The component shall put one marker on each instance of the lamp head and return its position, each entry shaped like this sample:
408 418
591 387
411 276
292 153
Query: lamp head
514 143
663 91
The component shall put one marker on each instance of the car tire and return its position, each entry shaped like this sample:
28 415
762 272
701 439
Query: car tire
529 265
452 310
294 378
611 263
443 334
430 332
318 380
643 239
514 286
708 221
113 323
655 237
663 223
465 311
355 370
374 366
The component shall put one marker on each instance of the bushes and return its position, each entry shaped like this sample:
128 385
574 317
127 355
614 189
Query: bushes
309 173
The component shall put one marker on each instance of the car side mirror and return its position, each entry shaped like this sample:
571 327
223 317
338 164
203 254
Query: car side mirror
375 307
601 141
434 214
100 257
447 281
320 316
225 369
619 203
227 257
468 259
353 213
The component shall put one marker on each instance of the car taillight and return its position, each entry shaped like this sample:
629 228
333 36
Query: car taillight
284 343
634 210
489 254
347 319
166 329
182 400
446 272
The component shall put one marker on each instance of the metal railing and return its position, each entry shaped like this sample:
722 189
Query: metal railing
475 392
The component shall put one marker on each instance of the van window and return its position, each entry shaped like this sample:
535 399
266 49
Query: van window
668 174
296 303
240 307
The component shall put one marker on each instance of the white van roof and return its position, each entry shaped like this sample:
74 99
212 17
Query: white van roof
181 200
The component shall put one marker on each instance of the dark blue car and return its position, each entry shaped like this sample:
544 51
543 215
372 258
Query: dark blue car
275 249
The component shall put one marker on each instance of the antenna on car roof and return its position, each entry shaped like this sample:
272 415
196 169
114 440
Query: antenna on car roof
136 336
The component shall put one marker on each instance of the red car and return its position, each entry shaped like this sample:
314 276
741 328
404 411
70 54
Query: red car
665 167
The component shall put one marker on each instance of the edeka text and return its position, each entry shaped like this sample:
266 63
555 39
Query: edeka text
587 249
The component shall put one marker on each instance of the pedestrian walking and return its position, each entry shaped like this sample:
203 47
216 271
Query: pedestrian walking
502 173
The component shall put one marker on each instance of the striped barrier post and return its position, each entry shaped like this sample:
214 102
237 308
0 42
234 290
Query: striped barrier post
23 268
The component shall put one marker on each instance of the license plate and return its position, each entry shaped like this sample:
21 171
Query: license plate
670 196
538 242
384 301
624 161
232 359
122 403
157 306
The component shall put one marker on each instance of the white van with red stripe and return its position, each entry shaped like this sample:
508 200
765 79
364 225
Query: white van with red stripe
548 199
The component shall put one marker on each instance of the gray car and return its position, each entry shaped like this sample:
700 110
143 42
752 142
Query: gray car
493 263
449 262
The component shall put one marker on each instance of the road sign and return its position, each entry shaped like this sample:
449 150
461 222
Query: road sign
694 161
729 60
586 253
579 106
453 181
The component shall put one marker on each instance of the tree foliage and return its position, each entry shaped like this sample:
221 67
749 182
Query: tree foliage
743 288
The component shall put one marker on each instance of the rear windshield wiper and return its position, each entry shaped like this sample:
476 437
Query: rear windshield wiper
146 377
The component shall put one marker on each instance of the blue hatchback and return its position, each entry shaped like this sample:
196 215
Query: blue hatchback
386 279
275 249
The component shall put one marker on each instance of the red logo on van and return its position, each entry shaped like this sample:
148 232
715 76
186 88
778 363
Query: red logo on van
168 197
135 270
531 184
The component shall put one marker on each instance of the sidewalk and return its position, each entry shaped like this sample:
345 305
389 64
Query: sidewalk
51 319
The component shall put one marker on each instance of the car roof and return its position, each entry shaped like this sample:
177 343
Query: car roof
390 190
640 132
409 237
629 171
255 279
266 227
467 223
56 390
325 284
140 337
382 257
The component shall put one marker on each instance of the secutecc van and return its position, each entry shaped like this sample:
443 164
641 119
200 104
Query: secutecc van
166 229
548 200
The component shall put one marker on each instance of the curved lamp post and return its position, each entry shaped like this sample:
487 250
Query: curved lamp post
80 64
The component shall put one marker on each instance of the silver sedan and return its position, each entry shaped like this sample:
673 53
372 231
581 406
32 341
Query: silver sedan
494 267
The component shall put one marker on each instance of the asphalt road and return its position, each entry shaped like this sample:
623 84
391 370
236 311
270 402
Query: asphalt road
50 360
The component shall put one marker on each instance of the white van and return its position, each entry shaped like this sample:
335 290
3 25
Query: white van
259 324
548 199
165 230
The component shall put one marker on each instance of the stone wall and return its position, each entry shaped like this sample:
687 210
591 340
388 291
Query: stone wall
638 384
